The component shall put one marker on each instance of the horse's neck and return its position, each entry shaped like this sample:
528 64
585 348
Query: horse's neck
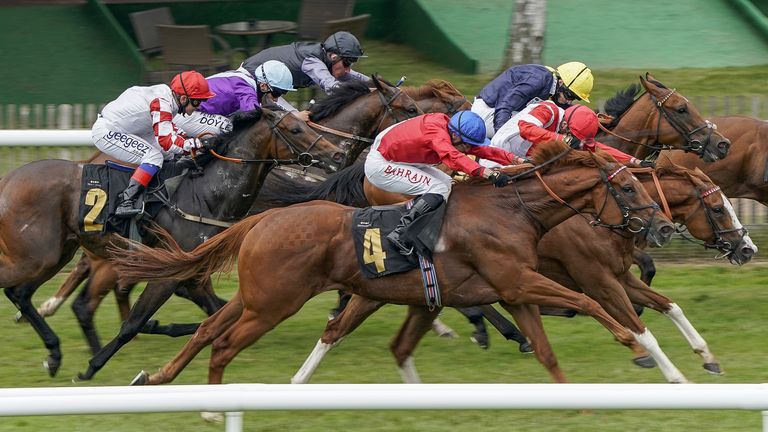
361 118
677 193
640 151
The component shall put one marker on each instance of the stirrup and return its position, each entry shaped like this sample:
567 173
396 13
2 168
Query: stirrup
402 248
129 213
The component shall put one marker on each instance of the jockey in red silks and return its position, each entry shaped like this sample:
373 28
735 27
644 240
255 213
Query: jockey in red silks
545 121
138 128
403 156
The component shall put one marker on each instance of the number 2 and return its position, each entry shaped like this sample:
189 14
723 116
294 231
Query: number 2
95 198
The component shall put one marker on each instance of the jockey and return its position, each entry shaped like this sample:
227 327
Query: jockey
511 91
324 64
236 90
137 128
403 156
577 126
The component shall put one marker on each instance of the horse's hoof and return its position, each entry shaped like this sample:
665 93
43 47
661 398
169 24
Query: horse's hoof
480 338
645 362
213 417
52 366
713 368
83 377
141 379
526 348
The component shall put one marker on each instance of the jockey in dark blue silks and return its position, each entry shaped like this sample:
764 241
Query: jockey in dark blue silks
511 91
325 64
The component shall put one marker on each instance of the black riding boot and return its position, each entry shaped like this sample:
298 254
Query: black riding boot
424 204
129 195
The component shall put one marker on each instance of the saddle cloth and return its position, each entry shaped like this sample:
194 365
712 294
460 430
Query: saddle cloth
102 185
376 255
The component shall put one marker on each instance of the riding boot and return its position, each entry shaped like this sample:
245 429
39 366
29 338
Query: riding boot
423 205
126 208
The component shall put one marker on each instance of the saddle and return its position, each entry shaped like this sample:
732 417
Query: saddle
376 255
102 184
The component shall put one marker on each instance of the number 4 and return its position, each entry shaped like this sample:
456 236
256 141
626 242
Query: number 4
372 251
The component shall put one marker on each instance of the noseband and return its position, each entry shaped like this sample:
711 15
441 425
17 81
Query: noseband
626 210
720 244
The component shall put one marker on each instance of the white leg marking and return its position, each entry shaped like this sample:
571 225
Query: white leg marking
699 345
670 372
50 306
310 365
408 372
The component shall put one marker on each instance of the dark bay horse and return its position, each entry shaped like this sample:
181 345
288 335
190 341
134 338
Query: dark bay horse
643 124
39 226
477 262
352 108
574 245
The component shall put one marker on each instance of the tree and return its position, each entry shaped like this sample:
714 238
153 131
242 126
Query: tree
525 41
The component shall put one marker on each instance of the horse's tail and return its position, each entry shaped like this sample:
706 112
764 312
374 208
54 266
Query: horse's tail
145 263
344 187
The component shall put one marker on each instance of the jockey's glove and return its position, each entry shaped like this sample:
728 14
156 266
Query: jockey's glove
574 142
647 164
498 178
191 144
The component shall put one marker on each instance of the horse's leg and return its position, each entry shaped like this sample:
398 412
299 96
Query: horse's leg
84 307
75 278
209 330
506 328
154 296
529 320
21 296
356 311
203 296
606 289
642 294
443 330
475 317
646 265
416 325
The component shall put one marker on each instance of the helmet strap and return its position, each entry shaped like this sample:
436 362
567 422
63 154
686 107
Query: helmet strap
183 107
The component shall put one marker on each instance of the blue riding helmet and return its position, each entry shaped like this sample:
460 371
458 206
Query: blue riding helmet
470 127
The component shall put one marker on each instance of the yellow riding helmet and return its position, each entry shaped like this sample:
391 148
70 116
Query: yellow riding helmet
577 77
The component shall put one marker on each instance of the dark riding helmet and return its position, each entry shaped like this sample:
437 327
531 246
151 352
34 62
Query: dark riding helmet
344 44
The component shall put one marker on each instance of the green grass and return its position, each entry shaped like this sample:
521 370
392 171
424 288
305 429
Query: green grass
728 305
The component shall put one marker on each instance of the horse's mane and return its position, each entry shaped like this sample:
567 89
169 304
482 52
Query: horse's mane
345 93
618 104
440 88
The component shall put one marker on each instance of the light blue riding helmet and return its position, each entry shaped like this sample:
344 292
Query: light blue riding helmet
276 74
470 127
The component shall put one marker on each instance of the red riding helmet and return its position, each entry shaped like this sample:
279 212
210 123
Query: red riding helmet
191 84
582 122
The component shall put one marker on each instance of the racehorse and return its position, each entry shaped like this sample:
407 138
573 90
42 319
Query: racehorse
659 119
39 223
477 262
689 198
353 104
743 174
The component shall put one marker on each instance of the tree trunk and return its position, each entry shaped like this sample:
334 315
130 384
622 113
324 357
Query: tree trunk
525 41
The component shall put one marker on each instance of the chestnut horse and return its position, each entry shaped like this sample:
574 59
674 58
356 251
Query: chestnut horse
340 110
743 174
39 224
477 262
569 248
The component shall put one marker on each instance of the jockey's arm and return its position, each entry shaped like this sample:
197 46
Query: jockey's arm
495 154
616 153
246 96
514 101
165 131
536 134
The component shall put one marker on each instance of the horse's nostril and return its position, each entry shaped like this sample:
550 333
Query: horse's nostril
747 251
667 230
723 145
338 157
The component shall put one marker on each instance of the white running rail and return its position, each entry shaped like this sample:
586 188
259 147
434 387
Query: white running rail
45 137
236 398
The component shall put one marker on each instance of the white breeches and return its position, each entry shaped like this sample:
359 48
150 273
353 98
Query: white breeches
127 147
405 178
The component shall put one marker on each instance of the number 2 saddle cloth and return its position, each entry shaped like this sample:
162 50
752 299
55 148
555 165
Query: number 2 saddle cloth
377 255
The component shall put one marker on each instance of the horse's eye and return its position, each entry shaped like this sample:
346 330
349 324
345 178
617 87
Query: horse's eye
718 210
682 110
628 189
412 110
296 130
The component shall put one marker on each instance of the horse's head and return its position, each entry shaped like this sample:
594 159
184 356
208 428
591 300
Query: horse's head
438 96
278 136
617 197
398 106
662 118
706 212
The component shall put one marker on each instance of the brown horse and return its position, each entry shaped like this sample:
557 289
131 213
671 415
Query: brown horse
573 246
658 119
477 262
743 174
40 228
333 116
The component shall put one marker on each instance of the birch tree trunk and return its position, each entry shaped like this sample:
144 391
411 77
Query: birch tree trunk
525 41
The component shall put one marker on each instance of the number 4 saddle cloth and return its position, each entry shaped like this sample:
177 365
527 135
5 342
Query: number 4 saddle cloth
377 255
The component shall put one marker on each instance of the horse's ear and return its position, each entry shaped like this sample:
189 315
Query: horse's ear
645 82
375 79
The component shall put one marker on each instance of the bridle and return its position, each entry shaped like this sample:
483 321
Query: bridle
691 145
720 244
303 158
